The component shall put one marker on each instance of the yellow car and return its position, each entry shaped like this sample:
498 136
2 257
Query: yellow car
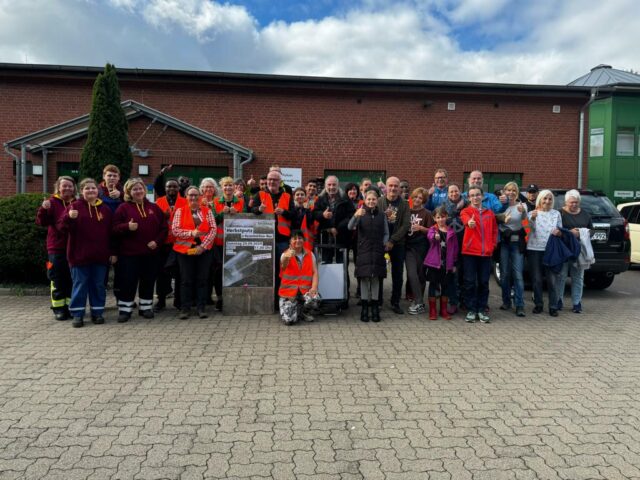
631 212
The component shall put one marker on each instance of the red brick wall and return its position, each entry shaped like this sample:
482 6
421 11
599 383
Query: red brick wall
316 129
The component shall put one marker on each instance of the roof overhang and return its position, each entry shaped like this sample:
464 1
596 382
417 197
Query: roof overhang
253 80
61 133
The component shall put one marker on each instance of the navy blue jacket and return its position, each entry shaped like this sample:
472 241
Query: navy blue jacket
560 250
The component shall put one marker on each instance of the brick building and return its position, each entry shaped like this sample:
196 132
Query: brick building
220 123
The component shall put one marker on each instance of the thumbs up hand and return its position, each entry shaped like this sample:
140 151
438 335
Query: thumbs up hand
472 222
133 226
46 204
73 213
262 207
328 214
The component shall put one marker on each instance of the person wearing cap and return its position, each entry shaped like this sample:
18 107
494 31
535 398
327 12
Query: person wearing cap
532 194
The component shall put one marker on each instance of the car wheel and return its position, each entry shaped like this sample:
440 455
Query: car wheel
598 281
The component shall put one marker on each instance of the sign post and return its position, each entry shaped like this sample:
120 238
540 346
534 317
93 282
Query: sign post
248 264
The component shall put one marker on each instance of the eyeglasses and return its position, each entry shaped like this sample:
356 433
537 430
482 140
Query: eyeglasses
273 180
441 178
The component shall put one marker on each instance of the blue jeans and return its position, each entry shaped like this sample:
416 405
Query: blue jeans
577 281
538 273
476 281
88 280
511 263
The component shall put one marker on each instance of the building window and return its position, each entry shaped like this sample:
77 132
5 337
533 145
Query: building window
29 168
596 142
625 140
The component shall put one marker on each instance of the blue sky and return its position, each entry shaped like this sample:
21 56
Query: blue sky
501 41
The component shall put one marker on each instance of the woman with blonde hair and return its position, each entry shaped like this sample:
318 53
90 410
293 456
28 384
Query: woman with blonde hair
227 203
51 210
512 247
87 222
544 222
140 228
194 227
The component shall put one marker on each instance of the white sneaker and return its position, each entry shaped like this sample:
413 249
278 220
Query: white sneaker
416 309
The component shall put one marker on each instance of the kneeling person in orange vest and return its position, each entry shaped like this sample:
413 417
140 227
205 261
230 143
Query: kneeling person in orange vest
298 290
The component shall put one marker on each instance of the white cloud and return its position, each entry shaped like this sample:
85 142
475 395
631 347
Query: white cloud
522 42
202 18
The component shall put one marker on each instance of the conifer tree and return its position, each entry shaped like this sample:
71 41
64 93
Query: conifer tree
107 138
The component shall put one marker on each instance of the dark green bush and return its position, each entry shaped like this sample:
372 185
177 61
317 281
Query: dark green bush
23 250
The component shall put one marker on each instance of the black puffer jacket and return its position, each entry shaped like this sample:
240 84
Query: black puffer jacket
370 261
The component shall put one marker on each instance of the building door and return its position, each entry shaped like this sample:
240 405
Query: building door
196 173
495 181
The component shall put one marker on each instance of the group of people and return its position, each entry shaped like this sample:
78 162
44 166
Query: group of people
441 236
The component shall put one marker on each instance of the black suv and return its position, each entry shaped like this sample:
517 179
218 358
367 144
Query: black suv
609 239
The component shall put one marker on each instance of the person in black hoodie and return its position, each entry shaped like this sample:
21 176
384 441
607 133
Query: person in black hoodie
333 210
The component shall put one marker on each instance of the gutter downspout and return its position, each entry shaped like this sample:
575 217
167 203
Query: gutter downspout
238 165
45 167
23 168
594 92
17 161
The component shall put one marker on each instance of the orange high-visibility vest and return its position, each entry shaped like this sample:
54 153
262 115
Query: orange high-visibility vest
182 245
527 228
294 278
163 203
284 225
410 203
219 204
309 233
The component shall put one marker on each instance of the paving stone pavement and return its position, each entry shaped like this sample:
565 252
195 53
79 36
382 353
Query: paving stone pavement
231 397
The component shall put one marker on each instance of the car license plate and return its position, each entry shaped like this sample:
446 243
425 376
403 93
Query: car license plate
599 236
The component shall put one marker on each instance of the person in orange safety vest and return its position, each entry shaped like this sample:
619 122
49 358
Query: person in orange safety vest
298 290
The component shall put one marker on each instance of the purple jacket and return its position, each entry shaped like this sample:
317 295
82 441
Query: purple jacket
433 255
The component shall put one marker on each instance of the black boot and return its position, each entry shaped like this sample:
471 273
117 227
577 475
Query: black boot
364 313
375 311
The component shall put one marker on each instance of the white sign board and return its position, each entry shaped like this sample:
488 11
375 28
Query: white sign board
292 177
623 193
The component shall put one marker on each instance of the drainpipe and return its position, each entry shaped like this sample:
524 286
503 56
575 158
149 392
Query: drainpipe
238 165
23 168
16 159
594 92
45 165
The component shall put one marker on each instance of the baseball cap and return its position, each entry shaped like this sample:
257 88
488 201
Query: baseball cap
533 188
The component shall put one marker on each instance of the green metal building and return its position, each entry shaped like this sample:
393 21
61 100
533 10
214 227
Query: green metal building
614 132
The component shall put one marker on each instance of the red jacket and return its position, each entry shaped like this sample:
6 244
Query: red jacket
56 239
483 238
